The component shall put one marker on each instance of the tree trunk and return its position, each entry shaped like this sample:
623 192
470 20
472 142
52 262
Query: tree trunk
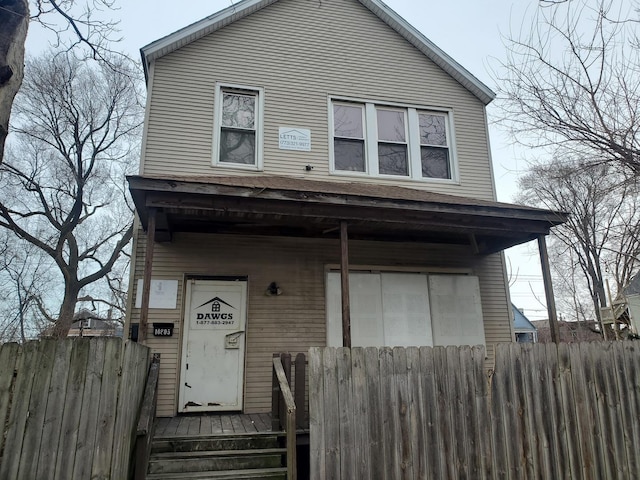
65 314
14 21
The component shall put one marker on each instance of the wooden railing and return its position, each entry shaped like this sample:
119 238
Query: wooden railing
144 435
284 409
299 389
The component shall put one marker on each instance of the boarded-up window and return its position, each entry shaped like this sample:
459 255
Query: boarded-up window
405 309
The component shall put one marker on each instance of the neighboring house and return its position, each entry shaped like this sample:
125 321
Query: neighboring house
313 173
524 330
627 305
88 324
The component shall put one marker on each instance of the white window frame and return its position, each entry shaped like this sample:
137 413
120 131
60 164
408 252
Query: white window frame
370 129
220 89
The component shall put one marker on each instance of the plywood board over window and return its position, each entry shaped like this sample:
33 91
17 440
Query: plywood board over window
407 309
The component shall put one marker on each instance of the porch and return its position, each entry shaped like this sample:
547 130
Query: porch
213 424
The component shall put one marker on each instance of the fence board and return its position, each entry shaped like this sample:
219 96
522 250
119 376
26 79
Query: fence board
374 420
101 467
622 380
9 353
361 410
72 409
88 420
346 416
132 386
25 367
55 408
416 439
37 408
630 359
316 414
552 411
332 429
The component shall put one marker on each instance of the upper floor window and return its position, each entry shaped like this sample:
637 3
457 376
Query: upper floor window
238 127
381 140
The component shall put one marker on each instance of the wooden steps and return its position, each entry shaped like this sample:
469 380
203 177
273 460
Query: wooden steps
241 456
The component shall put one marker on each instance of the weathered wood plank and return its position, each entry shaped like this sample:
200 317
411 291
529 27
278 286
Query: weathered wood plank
135 361
375 421
632 364
583 407
9 353
106 410
25 368
484 438
500 413
391 435
72 409
316 415
332 429
444 401
403 425
55 409
544 410
416 433
362 460
568 413
624 401
37 409
470 441
225 421
614 413
433 462
457 413
345 412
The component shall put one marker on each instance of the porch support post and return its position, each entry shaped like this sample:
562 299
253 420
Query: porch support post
548 290
146 282
344 278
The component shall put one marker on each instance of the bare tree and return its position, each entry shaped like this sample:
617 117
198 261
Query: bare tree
72 25
600 238
25 280
77 126
573 79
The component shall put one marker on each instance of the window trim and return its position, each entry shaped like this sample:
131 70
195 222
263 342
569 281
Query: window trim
220 89
370 129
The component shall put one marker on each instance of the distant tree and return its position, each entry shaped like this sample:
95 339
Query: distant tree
25 280
600 238
86 28
77 125
571 80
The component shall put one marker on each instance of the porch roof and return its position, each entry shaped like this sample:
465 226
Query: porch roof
289 206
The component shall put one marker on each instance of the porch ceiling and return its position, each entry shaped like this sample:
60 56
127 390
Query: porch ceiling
283 206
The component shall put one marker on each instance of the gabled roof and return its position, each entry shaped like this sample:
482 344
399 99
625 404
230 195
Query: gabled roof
520 322
221 19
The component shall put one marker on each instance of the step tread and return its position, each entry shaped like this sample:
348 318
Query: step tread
223 474
218 453
204 436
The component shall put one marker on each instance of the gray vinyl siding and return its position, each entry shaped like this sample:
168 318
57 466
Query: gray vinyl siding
302 52
295 320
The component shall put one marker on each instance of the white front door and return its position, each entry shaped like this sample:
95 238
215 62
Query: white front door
213 343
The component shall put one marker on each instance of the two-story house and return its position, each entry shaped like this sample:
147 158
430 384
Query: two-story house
313 173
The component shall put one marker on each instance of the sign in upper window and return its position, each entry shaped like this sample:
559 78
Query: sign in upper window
388 140
238 129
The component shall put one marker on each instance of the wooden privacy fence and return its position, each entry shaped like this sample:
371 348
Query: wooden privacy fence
69 408
548 411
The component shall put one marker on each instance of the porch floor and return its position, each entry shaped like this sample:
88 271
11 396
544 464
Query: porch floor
212 424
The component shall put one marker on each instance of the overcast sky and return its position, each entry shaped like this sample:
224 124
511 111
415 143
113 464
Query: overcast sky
470 31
